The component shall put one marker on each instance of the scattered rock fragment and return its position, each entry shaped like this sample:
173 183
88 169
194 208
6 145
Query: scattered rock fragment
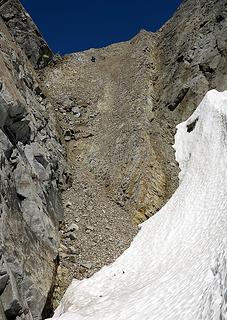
73 250
3 282
86 265
72 227
73 258
90 228
68 204
76 112
71 235
68 138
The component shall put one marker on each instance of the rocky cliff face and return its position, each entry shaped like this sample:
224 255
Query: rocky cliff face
116 108
192 52
32 169
25 32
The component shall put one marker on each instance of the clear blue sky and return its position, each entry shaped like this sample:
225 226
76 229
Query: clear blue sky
72 25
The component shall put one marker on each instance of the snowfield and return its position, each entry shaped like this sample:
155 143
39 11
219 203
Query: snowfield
175 269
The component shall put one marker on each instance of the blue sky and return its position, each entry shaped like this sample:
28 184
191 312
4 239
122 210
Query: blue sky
72 25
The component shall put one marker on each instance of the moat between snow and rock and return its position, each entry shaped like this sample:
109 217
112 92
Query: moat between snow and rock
112 113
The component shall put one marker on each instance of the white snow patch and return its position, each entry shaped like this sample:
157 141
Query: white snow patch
175 269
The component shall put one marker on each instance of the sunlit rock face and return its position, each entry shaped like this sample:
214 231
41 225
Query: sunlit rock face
176 265
25 33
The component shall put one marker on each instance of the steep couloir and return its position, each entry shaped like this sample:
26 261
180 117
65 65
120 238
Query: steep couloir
115 109
118 107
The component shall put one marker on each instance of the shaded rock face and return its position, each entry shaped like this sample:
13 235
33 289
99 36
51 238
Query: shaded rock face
25 33
118 108
32 170
192 58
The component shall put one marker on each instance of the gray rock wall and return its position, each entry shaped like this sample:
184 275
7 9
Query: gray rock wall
25 33
192 54
191 59
32 171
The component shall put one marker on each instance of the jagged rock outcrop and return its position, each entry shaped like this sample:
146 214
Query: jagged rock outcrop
32 171
191 58
25 33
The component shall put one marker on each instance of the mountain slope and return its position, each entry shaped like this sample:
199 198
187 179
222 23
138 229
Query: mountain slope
112 113
118 107
176 265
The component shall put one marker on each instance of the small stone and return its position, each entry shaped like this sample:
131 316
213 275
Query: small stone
68 204
93 115
71 236
62 248
69 134
87 135
73 259
86 265
90 228
68 138
72 227
76 112
73 250
63 255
